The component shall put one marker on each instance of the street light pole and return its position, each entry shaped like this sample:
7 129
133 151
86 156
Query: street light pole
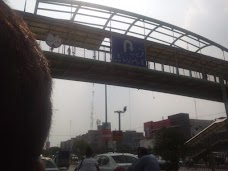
106 108
119 121
119 112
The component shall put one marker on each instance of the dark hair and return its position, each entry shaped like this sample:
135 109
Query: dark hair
88 152
25 90
143 151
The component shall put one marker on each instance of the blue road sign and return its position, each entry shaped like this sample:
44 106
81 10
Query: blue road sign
131 52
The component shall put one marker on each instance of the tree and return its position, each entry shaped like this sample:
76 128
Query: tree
124 148
50 151
79 148
169 144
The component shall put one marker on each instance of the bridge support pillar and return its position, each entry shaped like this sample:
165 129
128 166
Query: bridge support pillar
224 94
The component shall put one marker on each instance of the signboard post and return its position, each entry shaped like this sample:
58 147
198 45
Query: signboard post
106 131
128 51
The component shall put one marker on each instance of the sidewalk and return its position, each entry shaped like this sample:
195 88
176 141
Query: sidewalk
202 169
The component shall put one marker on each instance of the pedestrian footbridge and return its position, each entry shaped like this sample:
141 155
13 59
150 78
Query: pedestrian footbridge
212 138
81 47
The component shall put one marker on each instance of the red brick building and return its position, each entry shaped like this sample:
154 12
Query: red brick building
181 121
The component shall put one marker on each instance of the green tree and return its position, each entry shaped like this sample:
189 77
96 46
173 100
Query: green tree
124 148
50 151
169 144
79 148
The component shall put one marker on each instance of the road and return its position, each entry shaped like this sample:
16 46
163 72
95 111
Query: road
71 168
202 169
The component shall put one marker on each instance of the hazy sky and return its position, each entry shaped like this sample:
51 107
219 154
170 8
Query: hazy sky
72 100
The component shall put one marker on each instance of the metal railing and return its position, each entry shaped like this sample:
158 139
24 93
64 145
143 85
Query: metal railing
106 57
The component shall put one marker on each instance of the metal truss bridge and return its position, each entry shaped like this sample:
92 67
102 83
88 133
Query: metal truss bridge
176 60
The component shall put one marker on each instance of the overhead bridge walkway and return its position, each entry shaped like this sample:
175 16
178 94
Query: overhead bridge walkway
214 137
89 70
171 67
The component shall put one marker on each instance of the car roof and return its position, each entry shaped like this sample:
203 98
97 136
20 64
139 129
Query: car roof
48 167
45 158
117 154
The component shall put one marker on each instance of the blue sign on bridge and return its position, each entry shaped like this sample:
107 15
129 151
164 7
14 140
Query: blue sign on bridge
131 52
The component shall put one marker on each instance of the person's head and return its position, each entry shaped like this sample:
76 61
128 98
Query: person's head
89 152
142 151
25 90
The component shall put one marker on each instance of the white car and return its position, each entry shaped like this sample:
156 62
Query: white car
49 164
115 161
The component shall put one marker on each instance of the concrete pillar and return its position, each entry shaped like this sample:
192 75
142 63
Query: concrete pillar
224 94
190 73
204 76
163 69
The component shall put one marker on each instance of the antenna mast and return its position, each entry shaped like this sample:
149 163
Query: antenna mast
92 107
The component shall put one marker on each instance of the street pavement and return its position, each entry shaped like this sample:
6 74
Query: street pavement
201 169
72 167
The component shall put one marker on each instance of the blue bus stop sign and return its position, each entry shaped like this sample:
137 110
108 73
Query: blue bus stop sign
131 52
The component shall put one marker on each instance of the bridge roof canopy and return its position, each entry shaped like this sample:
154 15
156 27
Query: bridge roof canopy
91 26
123 22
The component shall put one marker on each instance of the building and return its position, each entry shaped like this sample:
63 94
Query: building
132 138
103 136
105 131
147 143
67 145
197 125
189 127
151 127
95 138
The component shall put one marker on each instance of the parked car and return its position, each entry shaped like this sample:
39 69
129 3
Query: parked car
115 161
49 164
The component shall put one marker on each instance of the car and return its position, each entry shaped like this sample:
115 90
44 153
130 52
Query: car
115 161
49 164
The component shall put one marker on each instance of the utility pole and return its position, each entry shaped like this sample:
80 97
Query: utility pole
70 129
92 109
119 112
106 108
25 5
195 109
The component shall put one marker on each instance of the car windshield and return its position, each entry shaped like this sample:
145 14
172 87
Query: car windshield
49 164
124 159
